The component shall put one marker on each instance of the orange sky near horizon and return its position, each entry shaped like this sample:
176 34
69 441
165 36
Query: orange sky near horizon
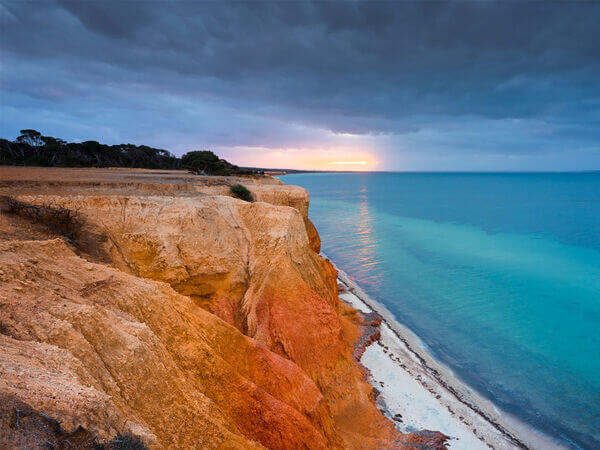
303 159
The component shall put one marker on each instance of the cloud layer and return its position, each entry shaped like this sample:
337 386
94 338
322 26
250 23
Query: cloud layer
409 85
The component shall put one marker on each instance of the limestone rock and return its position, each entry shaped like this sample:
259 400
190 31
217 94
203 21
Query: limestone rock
100 348
181 315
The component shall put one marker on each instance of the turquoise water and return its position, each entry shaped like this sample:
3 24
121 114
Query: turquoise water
499 274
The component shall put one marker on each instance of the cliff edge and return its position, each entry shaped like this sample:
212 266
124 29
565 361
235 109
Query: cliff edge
152 304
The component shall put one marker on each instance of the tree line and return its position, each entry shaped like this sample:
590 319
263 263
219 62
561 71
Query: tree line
31 148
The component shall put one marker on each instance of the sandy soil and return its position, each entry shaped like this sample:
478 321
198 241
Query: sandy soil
114 174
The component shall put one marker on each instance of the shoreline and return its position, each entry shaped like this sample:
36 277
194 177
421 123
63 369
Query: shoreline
417 391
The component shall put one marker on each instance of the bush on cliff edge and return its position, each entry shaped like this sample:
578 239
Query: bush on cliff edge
241 192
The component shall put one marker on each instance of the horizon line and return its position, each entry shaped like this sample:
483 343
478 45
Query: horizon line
301 171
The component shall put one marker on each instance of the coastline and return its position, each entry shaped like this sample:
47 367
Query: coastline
418 392
422 398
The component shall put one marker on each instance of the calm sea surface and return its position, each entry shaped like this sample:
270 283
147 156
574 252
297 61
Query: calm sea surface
499 274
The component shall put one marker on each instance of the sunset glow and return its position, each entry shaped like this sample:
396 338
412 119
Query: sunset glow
336 159
360 163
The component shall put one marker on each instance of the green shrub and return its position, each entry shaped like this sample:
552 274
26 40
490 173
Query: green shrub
241 192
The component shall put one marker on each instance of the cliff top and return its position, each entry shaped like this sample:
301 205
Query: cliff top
122 175
144 182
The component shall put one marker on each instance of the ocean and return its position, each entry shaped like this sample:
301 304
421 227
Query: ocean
497 273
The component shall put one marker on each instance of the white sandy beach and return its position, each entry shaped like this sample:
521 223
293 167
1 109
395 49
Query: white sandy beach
418 392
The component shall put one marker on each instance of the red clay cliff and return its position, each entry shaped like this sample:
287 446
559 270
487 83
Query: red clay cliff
169 311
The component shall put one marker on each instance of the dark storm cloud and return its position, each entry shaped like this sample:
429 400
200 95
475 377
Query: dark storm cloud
349 67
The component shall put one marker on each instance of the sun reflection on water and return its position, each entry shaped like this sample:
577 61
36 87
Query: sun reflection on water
367 242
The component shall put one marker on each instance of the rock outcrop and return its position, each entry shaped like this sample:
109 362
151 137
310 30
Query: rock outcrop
188 320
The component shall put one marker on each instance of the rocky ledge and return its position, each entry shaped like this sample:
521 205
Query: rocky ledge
151 305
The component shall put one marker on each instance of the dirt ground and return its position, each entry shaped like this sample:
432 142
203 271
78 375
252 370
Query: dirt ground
117 181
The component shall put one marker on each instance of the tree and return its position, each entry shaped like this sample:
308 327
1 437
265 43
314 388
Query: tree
33 149
205 162
31 137
49 140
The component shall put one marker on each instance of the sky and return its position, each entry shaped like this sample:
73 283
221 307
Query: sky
338 85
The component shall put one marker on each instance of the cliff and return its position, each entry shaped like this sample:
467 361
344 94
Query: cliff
153 304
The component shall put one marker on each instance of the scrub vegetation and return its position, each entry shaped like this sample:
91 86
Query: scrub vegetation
241 192
31 148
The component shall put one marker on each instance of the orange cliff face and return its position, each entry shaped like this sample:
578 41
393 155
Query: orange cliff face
102 349
210 322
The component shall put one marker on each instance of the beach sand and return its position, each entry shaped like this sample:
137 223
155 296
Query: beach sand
418 392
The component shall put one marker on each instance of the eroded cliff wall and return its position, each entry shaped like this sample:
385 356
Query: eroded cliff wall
189 320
